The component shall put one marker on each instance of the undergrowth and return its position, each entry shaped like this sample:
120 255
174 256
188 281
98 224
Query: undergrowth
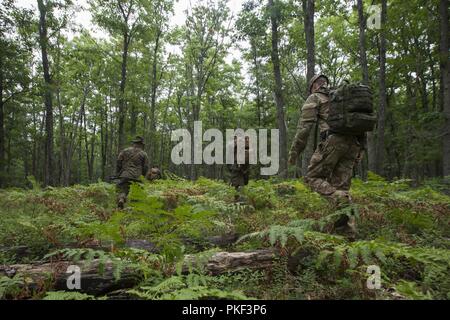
403 230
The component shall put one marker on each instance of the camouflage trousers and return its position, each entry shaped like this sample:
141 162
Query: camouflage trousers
123 189
331 166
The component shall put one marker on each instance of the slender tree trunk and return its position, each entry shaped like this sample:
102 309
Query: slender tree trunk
365 80
308 22
257 82
445 84
278 90
154 88
122 103
2 128
383 98
43 39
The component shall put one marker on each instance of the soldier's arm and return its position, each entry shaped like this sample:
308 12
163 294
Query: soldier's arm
306 122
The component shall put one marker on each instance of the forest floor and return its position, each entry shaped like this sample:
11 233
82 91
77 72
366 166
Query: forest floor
178 239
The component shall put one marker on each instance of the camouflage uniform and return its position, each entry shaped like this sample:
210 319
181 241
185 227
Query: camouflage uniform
239 173
131 164
331 166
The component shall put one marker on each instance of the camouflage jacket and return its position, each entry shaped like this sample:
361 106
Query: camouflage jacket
314 110
132 163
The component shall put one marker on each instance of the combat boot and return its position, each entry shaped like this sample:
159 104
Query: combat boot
346 224
121 202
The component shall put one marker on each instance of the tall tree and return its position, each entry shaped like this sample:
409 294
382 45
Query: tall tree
380 148
365 80
308 22
445 82
120 17
48 100
206 29
278 88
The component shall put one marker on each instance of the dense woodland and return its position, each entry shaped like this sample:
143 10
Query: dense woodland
70 99
72 96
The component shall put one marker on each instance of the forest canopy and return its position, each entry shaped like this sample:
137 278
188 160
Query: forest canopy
79 79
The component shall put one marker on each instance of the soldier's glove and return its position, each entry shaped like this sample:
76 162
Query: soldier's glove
292 158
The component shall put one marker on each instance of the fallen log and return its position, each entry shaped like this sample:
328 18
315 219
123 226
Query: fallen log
95 279
221 241
54 276
222 262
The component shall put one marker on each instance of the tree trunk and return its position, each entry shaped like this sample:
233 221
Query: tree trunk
365 81
123 80
99 283
155 83
2 129
445 84
383 97
278 90
43 40
308 21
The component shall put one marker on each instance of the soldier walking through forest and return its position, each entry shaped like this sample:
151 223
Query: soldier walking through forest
331 166
132 163
239 173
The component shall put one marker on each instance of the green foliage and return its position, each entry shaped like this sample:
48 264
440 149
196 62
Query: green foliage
409 290
398 229
11 287
414 222
64 295
260 194
166 227
191 287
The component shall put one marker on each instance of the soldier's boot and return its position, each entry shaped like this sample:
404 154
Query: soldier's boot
346 224
340 198
237 195
121 201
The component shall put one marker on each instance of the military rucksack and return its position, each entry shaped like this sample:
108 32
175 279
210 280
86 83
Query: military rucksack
351 109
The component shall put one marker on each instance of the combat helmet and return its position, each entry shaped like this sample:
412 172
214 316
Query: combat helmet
138 140
314 78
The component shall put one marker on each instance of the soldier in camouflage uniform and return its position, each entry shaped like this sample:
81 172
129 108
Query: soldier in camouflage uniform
331 166
239 173
131 164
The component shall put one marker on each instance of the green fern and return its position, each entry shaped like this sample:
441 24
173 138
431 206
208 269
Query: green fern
64 295
11 287
191 287
299 230
410 290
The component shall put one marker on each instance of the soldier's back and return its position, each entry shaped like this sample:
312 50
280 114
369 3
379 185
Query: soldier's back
133 160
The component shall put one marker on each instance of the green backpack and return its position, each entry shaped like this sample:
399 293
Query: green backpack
351 109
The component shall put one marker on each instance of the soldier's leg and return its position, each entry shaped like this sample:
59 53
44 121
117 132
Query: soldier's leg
238 181
246 177
123 188
341 180
343 172
322 165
